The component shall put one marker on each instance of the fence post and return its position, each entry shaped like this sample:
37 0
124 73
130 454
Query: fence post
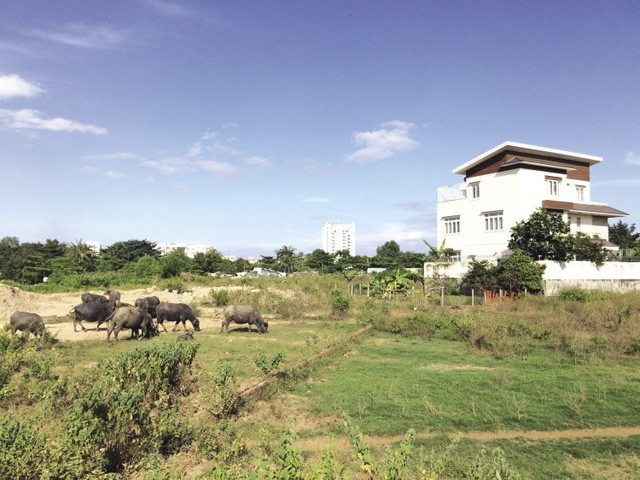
441 296
472 297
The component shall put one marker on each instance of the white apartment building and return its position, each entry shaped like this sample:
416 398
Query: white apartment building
190 250
505 185
338 236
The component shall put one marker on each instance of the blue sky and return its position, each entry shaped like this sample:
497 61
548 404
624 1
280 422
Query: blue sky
246 125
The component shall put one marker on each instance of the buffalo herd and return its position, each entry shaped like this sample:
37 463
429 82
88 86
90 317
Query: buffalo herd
138 318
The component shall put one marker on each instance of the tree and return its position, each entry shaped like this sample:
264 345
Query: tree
286 257
10 253
587 248
544 236
211 262
174 263
117 255
624 235
387 255
518 272
480 276
321 261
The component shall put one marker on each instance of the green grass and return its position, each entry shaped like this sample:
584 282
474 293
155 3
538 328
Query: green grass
391 383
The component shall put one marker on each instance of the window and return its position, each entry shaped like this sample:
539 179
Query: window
475 190
578 222
553 186
452 224
580 193
493 221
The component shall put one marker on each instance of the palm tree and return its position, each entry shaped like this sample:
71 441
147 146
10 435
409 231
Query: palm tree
286 256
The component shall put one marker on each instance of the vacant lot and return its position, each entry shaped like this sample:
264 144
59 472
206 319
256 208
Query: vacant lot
556 405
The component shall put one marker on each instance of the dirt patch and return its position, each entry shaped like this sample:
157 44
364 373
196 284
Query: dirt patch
54 309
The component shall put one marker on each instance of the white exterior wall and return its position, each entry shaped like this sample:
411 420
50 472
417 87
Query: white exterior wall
611 276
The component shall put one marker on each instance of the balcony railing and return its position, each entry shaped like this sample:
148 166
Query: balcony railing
452 192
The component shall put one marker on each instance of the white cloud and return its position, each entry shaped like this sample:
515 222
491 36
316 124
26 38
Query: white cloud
316 200
112 174
393 231
15 86
621 182
113 156
259 162
170 9
632 158
222 169
27 119
392 138
195 150
172 166
84 36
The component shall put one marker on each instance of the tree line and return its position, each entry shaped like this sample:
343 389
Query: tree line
34 262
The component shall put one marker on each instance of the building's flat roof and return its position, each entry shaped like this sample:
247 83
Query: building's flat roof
530 149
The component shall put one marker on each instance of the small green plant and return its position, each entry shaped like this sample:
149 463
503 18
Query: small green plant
266 365
222 397
220 298
340 304
575 294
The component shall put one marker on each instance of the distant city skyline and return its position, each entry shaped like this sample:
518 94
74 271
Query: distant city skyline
246 125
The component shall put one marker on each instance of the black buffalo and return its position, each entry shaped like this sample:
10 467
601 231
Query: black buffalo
133 318
91 312
93 298
149 304
25 321
176 312
242 314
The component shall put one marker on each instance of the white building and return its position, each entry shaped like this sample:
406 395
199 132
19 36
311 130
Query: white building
505 185
94 245
190 250
338 236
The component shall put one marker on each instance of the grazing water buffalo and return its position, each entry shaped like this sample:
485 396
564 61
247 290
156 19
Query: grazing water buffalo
114 298
91 312
244 314
176 312
149 304
93 298
31 322
133 318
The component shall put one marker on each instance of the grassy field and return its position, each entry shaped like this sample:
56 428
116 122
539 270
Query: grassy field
539 388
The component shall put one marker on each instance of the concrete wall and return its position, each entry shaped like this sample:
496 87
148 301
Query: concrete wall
612 276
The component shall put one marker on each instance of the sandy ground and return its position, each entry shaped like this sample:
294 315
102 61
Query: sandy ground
54 309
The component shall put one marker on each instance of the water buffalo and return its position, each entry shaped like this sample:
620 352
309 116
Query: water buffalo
134 318
93 298
244 314
149 304
91 312
114 298
31 322
176 312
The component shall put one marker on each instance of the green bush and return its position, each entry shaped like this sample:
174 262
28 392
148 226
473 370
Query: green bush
22 450
575 293
340 304
220 298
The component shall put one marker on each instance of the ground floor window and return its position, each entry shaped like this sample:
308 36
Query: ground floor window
452 224
493 221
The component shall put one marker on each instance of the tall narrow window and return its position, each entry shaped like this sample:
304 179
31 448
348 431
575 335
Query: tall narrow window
553 186
452 224
579 193
475 189
493 221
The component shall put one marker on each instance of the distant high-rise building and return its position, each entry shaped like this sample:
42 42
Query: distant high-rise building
338 236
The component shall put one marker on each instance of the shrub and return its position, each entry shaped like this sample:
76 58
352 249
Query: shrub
221 396
340 304
220 298
22 450
267 366
574 293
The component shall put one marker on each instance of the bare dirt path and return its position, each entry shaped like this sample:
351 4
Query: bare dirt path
317 444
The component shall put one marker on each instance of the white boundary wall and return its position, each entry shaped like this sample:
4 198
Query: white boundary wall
612 276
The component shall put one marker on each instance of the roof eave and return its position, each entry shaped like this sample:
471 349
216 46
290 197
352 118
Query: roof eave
525 148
